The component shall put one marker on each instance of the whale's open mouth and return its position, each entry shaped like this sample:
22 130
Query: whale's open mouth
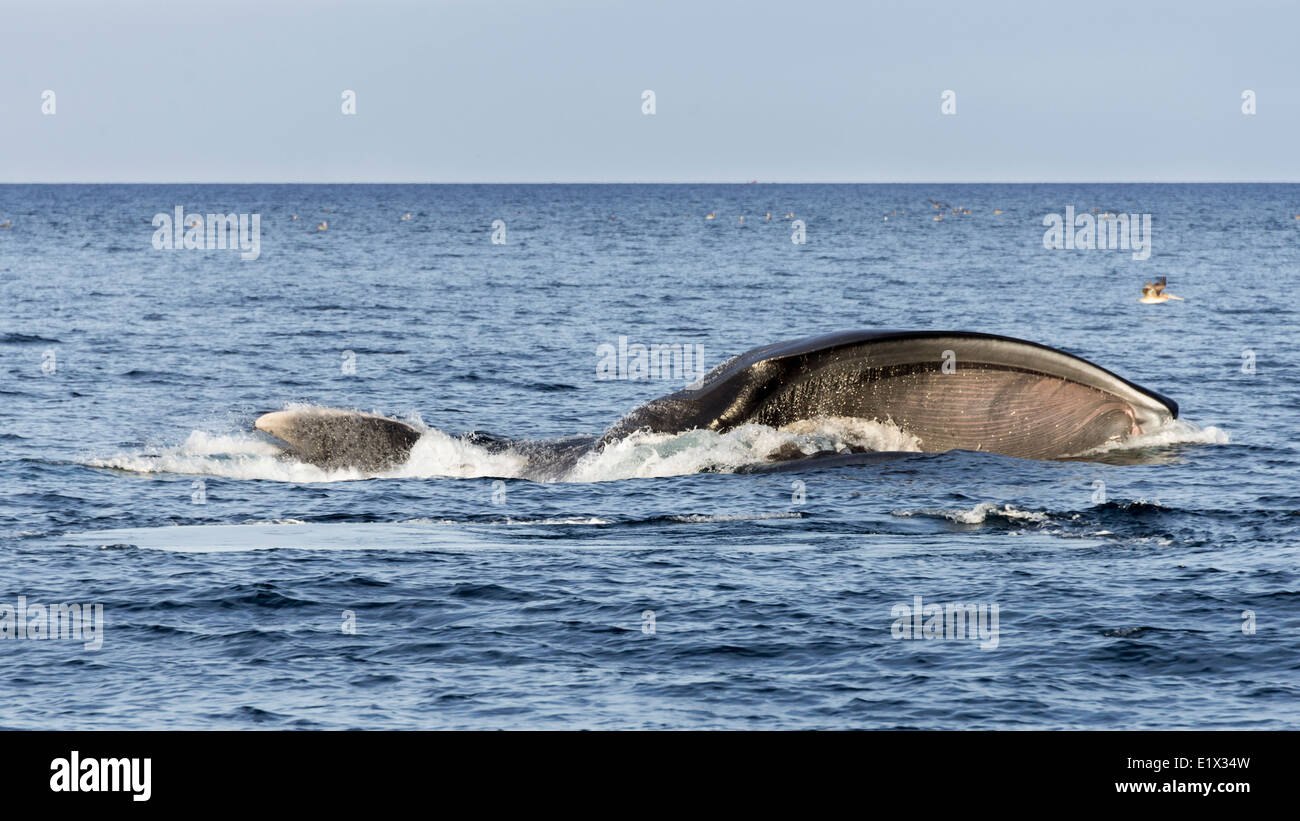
949 389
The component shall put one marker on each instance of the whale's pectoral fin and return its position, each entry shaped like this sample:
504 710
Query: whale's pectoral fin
334 439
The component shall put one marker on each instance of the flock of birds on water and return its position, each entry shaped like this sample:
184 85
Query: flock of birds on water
1153 293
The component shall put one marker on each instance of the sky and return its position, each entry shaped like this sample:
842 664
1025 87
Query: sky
795 91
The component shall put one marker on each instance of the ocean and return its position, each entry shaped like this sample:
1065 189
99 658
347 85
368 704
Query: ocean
659 583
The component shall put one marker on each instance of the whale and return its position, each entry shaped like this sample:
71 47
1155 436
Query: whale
948 390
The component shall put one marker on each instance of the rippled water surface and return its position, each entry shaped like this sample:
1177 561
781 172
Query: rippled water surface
659 585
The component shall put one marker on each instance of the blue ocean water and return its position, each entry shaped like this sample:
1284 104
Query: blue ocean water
657 585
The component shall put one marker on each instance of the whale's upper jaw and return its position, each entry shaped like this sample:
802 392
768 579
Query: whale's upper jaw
274 423
334 439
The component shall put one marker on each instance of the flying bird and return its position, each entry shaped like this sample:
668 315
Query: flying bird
1155 292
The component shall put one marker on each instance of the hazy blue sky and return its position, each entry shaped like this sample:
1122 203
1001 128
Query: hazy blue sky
249 90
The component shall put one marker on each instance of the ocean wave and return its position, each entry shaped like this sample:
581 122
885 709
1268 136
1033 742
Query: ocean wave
551 521
25 339
704 518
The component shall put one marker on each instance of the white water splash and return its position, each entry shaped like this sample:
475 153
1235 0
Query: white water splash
233 456
641 455
1173 432
439 455
979 514
647 455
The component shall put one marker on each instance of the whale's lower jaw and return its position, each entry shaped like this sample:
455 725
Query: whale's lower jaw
949 389
334 439
1028 415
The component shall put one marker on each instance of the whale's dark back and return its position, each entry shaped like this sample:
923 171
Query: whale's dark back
949 389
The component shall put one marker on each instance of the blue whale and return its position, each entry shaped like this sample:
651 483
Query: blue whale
948 389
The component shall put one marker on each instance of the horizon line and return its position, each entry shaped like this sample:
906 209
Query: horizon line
652 182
